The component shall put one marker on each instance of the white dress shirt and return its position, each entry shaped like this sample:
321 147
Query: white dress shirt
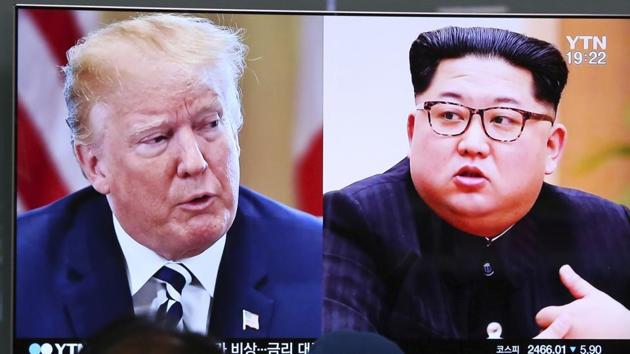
148 294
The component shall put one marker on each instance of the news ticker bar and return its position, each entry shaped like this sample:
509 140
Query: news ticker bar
303 346
245 346
507 346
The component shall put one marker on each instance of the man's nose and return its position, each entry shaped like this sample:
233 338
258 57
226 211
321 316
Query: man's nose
192 162
474 141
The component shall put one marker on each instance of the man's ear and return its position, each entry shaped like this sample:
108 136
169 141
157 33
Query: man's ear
555 146
93 166
411 121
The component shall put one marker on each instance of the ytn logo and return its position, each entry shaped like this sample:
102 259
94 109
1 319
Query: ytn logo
588 42
57 348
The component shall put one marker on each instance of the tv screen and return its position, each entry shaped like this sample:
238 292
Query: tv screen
327 100
415 253
276 153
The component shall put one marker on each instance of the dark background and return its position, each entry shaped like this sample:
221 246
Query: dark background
7 36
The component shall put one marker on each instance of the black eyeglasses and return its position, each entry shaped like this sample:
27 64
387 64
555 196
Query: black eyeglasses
503 124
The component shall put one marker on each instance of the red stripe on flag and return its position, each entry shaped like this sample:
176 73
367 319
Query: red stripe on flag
309 177
38 182
58 28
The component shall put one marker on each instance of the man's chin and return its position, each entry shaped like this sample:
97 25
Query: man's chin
216 223
471 205
197 234
204 235
480 217
190 246
471 215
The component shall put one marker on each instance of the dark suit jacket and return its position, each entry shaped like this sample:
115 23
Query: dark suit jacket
391 265
71 280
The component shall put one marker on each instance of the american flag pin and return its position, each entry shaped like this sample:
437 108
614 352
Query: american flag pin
250 320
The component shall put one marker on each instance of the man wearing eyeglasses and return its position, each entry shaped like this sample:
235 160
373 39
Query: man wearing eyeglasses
463 238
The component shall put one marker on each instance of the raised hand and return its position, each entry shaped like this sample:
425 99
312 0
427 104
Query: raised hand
592 315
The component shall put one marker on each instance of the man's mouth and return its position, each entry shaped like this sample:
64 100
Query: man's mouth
470 177
197 201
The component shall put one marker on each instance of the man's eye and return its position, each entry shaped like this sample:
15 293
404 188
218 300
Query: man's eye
501 120
450 116
209 125
210 128
155 140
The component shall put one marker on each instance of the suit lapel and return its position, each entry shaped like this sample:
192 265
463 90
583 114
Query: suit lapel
240 283
96 289
95 285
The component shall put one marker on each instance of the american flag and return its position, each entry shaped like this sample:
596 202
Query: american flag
46 167
308 138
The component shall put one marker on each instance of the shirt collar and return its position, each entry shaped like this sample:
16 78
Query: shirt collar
142 262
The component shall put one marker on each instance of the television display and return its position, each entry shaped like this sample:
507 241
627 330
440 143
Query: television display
204 133
328 100
441 225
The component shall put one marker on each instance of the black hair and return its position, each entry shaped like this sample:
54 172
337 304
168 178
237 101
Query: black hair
541 58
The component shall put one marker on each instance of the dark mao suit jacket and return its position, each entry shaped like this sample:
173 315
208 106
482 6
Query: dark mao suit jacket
392 266
71 280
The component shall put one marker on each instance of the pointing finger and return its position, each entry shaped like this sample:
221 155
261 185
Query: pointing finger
577 286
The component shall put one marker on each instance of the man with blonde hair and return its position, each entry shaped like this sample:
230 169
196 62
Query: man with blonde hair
164 230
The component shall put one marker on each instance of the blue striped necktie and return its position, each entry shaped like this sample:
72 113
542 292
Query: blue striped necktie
174 276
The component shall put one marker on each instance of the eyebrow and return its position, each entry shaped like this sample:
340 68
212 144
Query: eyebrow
199 108
154 124
497 100
202 111
506 100
142 128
